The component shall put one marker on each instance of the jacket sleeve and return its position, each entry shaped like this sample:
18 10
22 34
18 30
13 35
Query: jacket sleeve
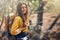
17 24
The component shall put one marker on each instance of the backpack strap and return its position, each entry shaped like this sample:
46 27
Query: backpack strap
8 31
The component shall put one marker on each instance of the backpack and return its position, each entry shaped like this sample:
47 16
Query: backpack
10 37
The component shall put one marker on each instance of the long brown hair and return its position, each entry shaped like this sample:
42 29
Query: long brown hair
24 17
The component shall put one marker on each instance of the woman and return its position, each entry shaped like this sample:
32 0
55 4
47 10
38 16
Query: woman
19 27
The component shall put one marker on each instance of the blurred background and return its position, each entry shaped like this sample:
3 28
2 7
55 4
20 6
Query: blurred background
50 6
41 12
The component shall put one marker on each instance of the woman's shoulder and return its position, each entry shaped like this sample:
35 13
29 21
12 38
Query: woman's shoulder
18 17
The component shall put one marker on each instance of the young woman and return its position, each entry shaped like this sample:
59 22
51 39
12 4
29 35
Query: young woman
20 24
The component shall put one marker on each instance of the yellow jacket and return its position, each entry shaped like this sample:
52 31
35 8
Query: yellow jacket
17 26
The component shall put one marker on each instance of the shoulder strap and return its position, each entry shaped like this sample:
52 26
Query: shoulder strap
8 31
8 19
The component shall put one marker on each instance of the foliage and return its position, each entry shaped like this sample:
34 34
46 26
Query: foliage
52 6
10 5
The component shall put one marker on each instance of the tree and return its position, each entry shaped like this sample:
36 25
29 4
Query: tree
40 12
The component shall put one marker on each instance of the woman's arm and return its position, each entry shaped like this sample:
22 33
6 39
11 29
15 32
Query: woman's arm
16 26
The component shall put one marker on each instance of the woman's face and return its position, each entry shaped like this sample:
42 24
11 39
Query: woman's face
23 8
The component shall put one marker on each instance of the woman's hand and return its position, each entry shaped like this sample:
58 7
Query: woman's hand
27 23
18 31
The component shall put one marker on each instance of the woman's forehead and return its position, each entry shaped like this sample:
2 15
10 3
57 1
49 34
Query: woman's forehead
23 4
